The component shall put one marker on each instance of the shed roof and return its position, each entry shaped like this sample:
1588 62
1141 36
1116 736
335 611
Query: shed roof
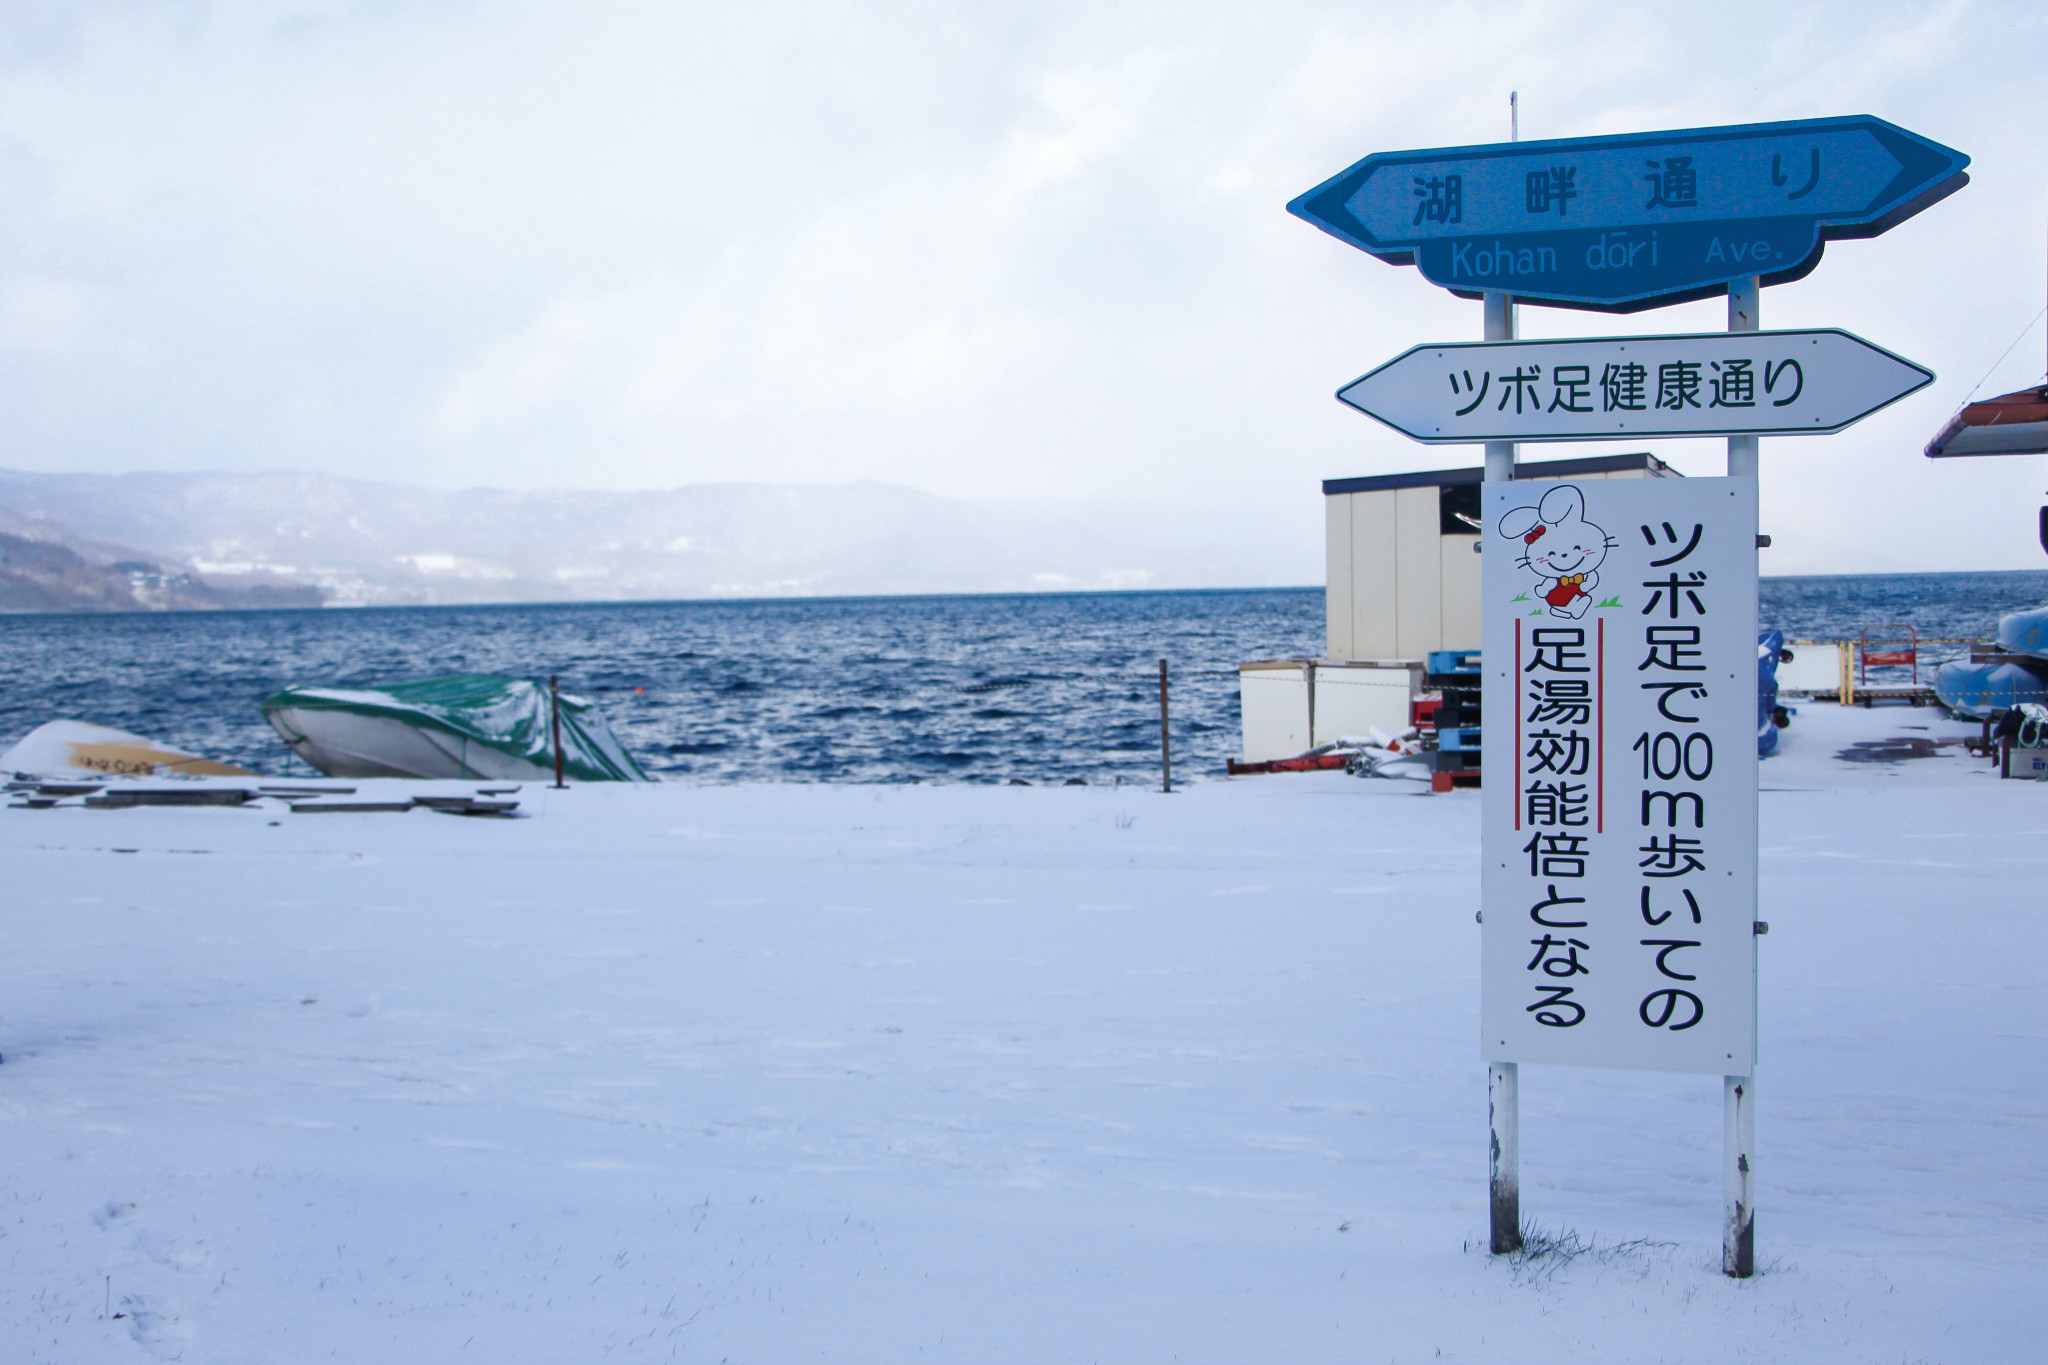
1539 469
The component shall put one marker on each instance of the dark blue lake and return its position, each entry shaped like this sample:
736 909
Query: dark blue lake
1036 687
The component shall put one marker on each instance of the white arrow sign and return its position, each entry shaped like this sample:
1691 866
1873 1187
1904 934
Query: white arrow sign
1600 389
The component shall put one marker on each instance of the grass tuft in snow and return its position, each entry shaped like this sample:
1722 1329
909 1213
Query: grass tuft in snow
1544 1253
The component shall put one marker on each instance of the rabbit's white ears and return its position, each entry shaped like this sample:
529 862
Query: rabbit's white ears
1563 503
1528 524
1522 523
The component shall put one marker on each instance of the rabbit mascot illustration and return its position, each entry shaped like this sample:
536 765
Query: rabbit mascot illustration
1561 548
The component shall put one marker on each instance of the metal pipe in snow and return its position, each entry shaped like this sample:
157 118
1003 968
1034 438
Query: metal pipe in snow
1165 736
555 724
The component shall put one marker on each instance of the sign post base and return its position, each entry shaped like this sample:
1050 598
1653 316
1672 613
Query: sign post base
1738 1236
1504 1185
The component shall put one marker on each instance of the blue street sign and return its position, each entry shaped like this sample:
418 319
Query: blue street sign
1620 224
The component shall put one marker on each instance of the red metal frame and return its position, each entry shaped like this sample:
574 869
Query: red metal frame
1882 658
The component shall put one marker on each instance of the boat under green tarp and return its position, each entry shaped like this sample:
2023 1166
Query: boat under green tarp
463 725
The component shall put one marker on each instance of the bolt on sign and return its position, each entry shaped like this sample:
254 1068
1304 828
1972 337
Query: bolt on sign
1622 223
1619 810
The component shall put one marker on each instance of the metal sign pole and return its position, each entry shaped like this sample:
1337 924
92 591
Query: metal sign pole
1745 299
1738 1093
1500 326
1503 1079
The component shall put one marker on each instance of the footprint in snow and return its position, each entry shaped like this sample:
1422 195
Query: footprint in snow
113 1213
172 1253
155 1327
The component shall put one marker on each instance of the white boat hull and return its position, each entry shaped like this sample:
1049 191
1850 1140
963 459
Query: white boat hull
76 746
2006 438
344 744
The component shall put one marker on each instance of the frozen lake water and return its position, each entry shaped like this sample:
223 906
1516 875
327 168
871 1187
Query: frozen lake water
873 1073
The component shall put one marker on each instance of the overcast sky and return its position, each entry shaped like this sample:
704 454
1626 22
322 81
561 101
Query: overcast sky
984 249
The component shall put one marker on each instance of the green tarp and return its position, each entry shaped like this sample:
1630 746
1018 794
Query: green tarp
510 715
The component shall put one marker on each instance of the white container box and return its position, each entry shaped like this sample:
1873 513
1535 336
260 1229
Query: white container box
1350 699
1288 706
1816 666
1273 708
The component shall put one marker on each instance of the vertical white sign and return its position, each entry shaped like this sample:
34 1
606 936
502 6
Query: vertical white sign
1619 804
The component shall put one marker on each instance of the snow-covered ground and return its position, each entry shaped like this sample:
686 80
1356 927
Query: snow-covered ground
775 1073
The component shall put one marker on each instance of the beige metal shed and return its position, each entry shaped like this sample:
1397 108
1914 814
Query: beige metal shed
1402 576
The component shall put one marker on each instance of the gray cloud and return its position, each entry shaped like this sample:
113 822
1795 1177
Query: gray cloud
988 251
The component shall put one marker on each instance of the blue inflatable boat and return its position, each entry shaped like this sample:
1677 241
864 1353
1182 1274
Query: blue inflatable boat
2025 632
1768 645
1976 690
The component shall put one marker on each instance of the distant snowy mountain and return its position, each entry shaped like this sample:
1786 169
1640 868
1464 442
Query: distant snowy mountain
45 575
367 543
